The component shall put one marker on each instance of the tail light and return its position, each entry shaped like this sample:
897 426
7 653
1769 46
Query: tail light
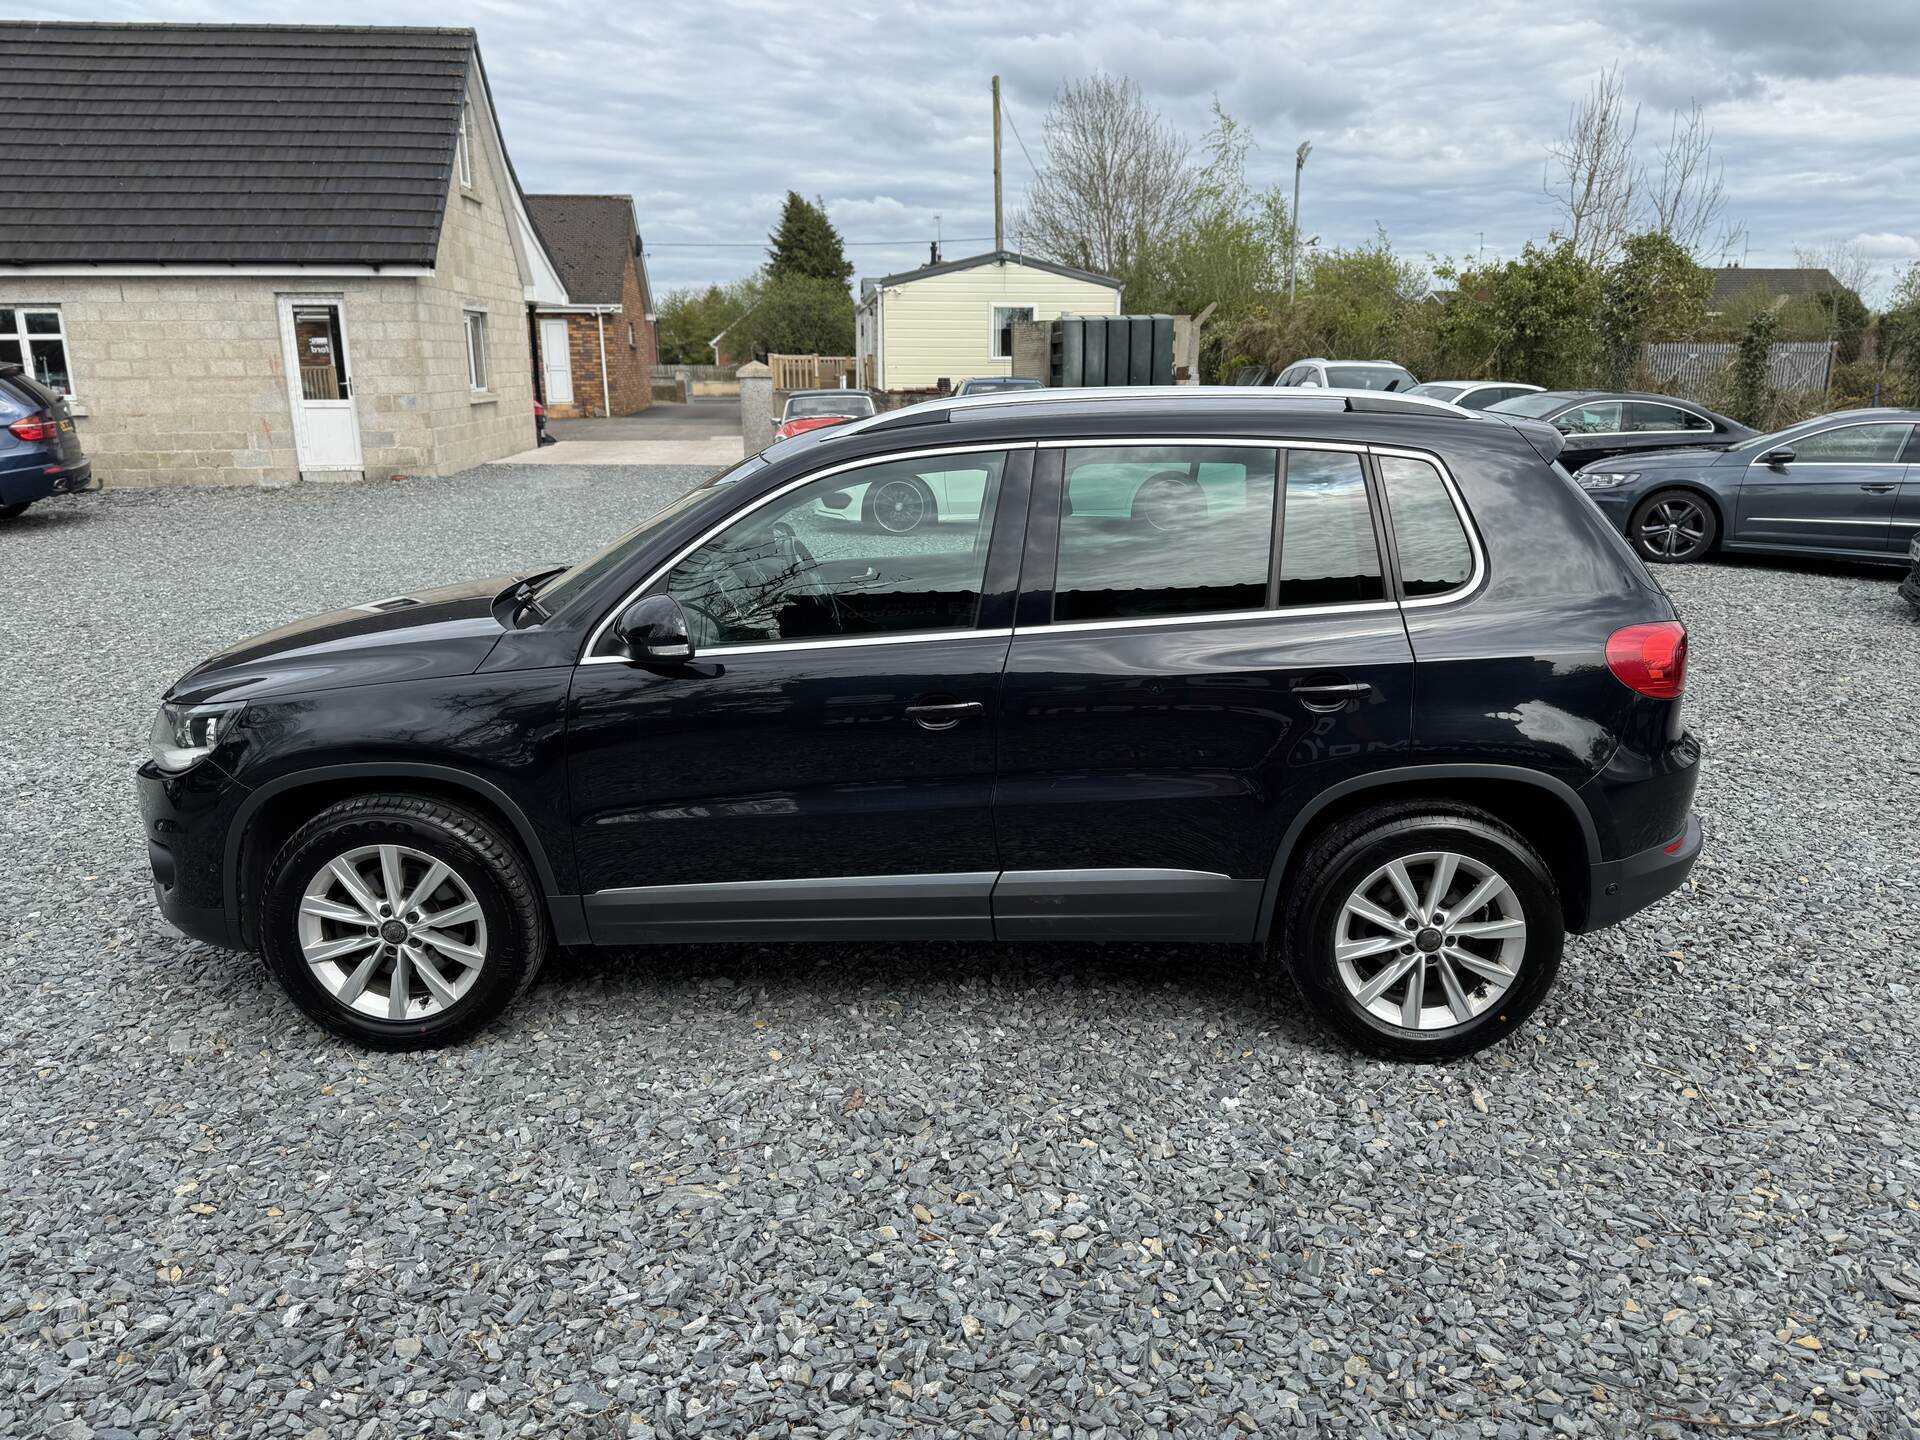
1651 659
37 428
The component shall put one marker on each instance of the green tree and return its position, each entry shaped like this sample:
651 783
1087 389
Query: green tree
1899 334
1752 370
689 319
807 245
1654 291
797 315
1847 320
1533 319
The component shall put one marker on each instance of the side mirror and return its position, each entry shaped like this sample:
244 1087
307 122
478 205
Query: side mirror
654 630
1779 456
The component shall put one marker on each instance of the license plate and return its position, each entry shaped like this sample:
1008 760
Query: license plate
66 427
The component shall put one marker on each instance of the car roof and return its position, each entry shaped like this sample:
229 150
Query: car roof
1482 384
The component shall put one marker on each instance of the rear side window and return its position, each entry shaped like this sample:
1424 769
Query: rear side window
1431 543
1147 531
1602 417
1644 415
1328 555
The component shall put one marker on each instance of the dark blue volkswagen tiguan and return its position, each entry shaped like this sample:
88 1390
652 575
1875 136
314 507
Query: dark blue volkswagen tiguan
1360 679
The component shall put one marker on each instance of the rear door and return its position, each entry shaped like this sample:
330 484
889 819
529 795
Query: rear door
1204 641
1839 491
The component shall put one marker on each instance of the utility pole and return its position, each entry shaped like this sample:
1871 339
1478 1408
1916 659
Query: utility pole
1293 255
999 215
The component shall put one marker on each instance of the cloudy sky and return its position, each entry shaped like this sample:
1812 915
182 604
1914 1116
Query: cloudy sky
1431 121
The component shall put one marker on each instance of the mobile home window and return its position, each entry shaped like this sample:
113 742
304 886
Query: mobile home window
477 349
1003 318
36 340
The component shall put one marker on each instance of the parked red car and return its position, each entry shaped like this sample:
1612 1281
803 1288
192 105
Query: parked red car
816 409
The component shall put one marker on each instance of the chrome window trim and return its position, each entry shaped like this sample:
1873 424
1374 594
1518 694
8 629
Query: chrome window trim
1812 520
1842 464
1207 442
1713 427
587 657
839 642
1217 617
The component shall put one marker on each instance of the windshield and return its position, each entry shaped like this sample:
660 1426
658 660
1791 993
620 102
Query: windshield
562 588
1534 405
987 387
803 407
1437 392
1369 377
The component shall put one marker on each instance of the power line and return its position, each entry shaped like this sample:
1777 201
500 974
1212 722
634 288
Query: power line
1007 110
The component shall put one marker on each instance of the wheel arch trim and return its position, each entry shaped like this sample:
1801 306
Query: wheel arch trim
1401 777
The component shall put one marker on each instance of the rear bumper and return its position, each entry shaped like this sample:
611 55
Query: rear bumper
1619 888
19 487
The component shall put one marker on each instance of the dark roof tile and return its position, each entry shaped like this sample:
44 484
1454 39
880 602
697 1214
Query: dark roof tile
589 238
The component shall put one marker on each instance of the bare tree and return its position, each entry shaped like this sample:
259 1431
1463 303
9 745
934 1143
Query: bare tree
1845 261
1117 178
1687 201
1591 175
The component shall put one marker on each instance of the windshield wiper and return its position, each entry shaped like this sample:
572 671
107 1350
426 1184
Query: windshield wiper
526 593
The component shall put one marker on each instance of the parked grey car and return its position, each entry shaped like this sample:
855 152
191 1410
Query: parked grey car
1473 394
1845 485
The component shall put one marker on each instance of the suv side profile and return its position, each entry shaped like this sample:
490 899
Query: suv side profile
1362 680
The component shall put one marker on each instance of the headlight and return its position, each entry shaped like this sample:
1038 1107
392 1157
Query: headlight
184 735
1605 479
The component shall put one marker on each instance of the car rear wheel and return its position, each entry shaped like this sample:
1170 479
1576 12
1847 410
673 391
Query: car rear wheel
1672 527
402 922
1423 932
900 505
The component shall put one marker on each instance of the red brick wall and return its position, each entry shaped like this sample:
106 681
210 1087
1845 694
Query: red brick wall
629 386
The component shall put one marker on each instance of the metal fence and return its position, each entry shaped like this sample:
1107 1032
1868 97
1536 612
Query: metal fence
1798 366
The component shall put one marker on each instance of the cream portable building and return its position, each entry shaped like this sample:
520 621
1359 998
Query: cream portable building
952 321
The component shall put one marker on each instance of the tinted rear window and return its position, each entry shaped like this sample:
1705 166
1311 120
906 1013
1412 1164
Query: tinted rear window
1435 555
1328 555
1535 405
30 391
1369 377
1437 392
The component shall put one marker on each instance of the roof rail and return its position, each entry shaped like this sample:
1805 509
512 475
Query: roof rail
1253 396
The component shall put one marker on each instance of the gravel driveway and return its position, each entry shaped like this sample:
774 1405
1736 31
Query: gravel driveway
943 1190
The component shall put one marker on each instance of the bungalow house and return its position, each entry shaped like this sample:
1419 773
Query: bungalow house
1735 283
252 254
596 350
954 319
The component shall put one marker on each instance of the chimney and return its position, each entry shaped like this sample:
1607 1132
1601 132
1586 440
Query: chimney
933 252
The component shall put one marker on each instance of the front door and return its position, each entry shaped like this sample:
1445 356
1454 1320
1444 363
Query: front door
556 362
1838 492
326 427
823 768
1175 693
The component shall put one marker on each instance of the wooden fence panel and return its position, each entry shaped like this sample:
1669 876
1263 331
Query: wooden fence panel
810 372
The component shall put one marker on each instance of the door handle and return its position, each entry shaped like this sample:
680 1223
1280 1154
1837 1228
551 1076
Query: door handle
1876 488
1329 696
944 715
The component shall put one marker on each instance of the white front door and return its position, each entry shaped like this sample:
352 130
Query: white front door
326 428
556 361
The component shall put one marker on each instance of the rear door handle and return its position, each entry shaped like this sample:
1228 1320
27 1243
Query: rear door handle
1330 696
1876 489
944 715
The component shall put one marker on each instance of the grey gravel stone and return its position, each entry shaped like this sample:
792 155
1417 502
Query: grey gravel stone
942 1189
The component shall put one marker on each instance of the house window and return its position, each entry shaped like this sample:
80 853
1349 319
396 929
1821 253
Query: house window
477 349
1003 318
465 146
633 340
36 340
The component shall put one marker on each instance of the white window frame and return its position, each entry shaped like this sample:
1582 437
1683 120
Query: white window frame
479 362
464 149
994 327
19 333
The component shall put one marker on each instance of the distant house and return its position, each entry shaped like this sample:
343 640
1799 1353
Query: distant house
596 351
1735 283
953 320
250 254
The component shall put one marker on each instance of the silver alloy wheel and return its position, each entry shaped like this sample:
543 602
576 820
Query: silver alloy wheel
1431 940
899 506
392 932
1674 528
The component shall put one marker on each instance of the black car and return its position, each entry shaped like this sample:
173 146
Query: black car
1599 424
1158 685
1844 486
40 453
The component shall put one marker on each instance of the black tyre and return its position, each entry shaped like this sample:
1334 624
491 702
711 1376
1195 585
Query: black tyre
402 922
1423 931
1671 527
8 512
900 505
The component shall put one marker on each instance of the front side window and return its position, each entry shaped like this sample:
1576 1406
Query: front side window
1328 555
1853 445
36 340
890 549
1003 318
1434 553
477 349
1602 417
1147 531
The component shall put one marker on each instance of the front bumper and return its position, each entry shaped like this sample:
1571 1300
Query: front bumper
20 487
1619 888
186 819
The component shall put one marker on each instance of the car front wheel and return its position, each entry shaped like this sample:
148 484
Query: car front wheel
1672 527
402 922
1423 932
